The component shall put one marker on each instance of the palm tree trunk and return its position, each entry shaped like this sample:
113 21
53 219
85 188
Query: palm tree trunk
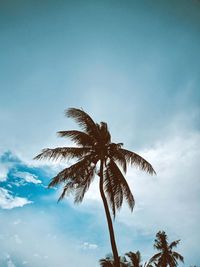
109 220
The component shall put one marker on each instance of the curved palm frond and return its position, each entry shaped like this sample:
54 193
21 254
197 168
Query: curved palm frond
84 185
135 258
84 121
68 188
118 156
79 187
116 187
174 244
178 256
75 171
107 262
119 178
63 153
80 138
155 257
138 161
109 188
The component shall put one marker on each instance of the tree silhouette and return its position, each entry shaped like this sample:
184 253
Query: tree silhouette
109 262
166 256
96 154
135 259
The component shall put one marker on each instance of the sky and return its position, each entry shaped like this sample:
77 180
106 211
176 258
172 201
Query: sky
133 64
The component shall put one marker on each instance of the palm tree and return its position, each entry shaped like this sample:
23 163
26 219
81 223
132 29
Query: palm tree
109 262
135 259
166 256
96 154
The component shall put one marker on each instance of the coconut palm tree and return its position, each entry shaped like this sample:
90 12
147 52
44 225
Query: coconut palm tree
109 262
95 154
166 256
135 258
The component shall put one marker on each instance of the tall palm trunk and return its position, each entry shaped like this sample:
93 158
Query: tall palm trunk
109 220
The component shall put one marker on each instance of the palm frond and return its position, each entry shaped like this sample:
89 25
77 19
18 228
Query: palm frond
178 256
113 189
155 257
80 138
75 171
135 258
119 157
138 161
109 190
63 153
174 244
106 263
68 188
84 121
85 183
122 188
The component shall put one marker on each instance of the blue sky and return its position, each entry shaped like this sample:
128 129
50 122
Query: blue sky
133 64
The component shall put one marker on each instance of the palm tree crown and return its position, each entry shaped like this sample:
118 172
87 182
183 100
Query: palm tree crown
135 259
166 256
94 144
95 154
108 261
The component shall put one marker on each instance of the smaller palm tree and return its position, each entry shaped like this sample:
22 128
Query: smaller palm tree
135 259
108 261
166 256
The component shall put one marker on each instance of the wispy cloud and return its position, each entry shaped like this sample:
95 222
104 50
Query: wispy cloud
3 172
8 201
87 245
28 177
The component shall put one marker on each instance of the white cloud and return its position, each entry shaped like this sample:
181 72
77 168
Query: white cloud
4 168
8 201
87 245
28 177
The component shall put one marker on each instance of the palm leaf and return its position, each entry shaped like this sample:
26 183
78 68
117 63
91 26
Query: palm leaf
122 188
155 257
84 185
75 171
84 121
114 192
138 161
68 188
80 138
178 256
115 154
174 244
109 190
63 153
